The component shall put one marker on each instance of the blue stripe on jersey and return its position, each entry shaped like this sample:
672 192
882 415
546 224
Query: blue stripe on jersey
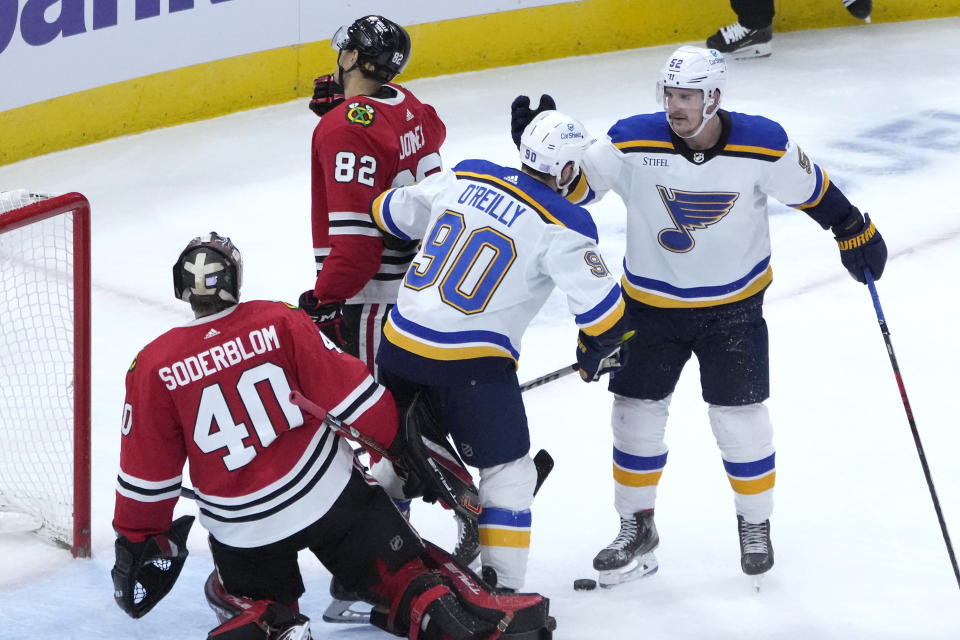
452 339
611 300
756 131
505 517
386 217
696 292
750 469
550 205
639 463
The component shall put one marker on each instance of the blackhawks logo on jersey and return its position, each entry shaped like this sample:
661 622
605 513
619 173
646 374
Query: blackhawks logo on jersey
360 113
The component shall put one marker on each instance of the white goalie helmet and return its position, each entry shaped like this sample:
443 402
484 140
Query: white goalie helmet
550 141
694 68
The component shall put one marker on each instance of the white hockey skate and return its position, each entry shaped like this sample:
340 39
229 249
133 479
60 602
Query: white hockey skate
630 556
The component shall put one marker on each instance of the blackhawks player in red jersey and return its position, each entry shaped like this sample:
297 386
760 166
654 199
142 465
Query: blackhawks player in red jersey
373 135
272 480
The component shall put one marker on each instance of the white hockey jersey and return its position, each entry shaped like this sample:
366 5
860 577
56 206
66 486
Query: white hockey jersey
495 243
697 227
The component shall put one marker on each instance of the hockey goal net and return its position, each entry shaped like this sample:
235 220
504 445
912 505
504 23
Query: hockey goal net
45 367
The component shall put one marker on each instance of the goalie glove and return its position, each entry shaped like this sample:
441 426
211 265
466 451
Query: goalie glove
328 316
521 114
861 246
144 572
326 95
597 355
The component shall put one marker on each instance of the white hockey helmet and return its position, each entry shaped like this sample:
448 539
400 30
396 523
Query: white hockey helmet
694 68
550 141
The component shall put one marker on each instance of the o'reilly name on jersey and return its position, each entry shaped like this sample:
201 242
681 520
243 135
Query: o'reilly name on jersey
219 357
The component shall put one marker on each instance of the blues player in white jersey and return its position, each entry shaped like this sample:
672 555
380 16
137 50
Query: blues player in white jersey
695 181
496 241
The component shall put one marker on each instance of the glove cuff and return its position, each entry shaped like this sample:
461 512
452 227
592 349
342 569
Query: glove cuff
859 239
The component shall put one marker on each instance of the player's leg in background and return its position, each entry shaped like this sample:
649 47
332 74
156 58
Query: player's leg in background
734 369
488 424
363 330
750 36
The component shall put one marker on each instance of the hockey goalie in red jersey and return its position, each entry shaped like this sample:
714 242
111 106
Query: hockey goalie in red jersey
271 479
373 135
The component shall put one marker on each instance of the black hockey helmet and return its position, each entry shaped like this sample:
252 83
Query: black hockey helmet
209 271
383 46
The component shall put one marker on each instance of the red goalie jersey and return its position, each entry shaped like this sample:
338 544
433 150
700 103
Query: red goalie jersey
360 149
216 393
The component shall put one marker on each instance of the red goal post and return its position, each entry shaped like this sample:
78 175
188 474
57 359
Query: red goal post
45 366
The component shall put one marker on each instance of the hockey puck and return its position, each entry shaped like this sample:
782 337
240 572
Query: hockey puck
584 584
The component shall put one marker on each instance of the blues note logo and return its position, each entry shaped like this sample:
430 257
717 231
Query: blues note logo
691 210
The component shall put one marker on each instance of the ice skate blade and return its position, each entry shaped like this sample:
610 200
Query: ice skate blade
347 612
752 51
756 581
639 567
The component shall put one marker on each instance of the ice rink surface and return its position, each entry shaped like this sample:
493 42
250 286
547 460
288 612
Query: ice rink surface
859 553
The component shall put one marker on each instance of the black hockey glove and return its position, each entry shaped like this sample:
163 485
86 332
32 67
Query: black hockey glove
144 572
328 316
597 355
399 244
861 246
521 115
326 95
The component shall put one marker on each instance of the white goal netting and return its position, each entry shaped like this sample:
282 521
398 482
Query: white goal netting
36 371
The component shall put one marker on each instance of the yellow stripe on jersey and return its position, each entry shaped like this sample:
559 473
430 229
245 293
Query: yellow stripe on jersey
636 479
491 537
580 189
664 302
606 321
521 195
633 144
376 209
823 191
754 486
745 148
433 352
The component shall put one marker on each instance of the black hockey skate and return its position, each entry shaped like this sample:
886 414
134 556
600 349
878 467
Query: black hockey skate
630 555
737 41
346 606
860 9
756 550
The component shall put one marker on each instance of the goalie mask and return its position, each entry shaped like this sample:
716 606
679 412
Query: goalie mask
383 47
209 271
695 68
551 141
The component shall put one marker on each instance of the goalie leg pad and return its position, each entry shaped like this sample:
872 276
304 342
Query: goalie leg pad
517 616
264 620
248 619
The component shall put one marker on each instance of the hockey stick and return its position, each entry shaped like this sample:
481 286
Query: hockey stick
550 377
565 371
913 425
447 475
